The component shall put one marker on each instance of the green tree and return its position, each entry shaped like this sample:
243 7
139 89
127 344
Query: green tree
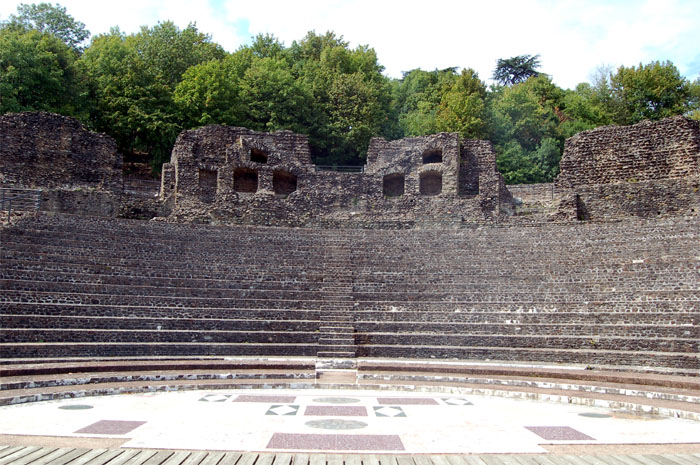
209 93
350 97
52 19
463 107
133 80
652 91
418 99
510 71
524 125
272 99
38 72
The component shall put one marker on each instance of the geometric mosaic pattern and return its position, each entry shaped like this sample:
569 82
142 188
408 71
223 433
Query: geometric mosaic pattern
283 410
111 427
406 401
456 401
335 411
389 411
254 398
559 433
215 398
370 442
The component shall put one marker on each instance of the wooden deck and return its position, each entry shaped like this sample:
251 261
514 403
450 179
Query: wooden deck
32 455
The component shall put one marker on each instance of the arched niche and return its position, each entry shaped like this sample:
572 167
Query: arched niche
245 180
284 183
258 155
394 185
430 183
432 156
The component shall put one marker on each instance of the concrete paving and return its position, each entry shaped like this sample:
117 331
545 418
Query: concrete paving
320 421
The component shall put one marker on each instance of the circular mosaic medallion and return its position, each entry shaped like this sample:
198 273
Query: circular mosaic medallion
336 400
594 415
336 424
75 407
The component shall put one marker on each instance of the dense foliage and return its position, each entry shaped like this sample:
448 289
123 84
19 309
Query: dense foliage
144 88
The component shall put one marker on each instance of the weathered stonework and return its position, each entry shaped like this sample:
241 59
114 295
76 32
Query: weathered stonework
234 175
648 169
77 170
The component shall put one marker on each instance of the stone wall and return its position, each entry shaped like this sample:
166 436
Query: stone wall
77 170
648 169
232 175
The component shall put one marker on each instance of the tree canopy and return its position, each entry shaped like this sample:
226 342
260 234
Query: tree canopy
144 88
516 69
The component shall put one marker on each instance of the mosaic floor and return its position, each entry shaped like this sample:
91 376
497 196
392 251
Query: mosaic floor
338 421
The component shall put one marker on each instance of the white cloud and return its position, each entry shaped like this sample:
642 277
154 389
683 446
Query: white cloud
573 37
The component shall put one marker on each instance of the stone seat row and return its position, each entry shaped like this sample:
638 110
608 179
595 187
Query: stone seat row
361 325
377 289
668 301
668 314
412 339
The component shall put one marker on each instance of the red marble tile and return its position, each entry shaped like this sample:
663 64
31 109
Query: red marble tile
270 399
335 411
369 442
111 427
559 433
406 401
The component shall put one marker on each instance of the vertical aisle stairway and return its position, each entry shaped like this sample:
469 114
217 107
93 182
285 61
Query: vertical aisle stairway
335 360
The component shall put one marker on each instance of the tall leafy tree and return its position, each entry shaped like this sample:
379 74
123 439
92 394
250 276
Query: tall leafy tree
38 72
463 107
133 80
652 91
52 19
513 70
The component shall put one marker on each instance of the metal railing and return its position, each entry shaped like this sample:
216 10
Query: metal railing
340 169
19 199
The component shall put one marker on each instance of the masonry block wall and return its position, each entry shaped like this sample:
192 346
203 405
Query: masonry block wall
77 170
648 169
234 175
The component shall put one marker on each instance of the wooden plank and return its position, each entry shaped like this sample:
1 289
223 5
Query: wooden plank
52 456
468 459
404 460
422 460
491 459
283 459
438 459
106 457
669 459
34 456
387 459
687 457
351 459
597 460
18 454
183 456
300 459
334 459
369 459
74 454
126 456
317 459
248 459
93 454
644 460
230 458
265 459
159 457
660 459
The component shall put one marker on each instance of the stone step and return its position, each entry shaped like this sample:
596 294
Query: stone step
335 354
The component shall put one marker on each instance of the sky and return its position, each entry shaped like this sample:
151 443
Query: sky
574 38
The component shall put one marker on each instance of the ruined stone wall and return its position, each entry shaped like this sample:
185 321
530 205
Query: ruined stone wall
77 170
237 176
648 169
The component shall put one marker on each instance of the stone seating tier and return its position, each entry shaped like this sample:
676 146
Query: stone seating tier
608 294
